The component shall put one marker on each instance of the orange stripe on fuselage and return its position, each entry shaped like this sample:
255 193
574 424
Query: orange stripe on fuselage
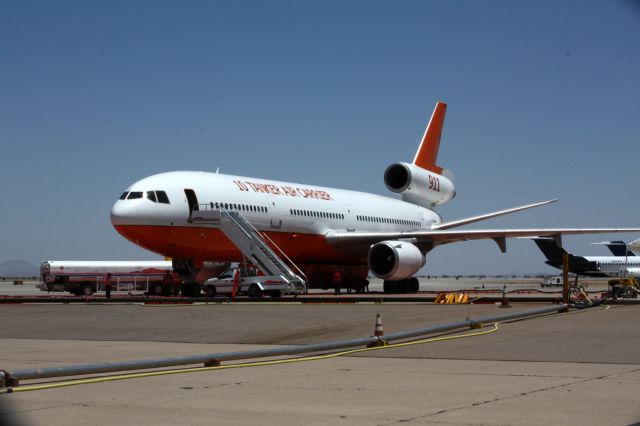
427 154
201 243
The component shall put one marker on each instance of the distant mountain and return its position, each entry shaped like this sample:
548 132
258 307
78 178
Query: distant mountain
18 268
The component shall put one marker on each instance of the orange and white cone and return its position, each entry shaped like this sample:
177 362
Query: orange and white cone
378 331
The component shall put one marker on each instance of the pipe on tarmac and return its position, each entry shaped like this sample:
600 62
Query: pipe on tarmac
12 378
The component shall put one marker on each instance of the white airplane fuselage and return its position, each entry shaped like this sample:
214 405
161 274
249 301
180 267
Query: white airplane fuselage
296 216
616 266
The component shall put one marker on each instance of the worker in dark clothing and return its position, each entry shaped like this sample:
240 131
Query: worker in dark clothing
337 280
167 285
107 286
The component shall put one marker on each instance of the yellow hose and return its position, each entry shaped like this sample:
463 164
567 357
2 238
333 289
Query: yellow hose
29 388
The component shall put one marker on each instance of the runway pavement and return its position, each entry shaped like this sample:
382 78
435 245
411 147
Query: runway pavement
581 367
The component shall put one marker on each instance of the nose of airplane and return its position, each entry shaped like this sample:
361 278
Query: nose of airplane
122 213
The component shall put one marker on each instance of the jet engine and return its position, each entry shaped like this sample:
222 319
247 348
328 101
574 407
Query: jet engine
395 260
419 186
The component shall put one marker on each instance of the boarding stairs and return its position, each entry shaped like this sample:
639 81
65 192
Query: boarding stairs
252 244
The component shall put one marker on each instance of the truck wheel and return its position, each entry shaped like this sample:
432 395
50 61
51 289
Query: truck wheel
254 292
211 291
86 290
156 290
275 293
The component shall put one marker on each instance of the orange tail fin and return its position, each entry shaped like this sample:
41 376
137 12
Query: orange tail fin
428 151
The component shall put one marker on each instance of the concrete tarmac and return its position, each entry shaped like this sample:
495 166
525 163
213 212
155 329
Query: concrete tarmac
582 367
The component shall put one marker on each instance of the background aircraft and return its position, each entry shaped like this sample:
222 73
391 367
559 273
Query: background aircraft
591 266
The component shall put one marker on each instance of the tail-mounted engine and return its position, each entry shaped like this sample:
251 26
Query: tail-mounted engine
419 186
395 260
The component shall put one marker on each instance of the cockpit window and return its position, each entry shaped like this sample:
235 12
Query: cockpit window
151 195
124 195
162 197
134 195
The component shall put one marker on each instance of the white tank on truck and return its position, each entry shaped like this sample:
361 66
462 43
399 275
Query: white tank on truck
83 277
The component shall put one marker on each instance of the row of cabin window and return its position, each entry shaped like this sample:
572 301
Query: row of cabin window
240 207
311 213
388 220
155 196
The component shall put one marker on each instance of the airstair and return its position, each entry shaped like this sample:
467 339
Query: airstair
252 244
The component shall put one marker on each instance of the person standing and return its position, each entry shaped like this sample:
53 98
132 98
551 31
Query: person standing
167 285
337 280
107 286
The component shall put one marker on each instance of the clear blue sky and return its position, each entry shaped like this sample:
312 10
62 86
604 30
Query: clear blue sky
543 102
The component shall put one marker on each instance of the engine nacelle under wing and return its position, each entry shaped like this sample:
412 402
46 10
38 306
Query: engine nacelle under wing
395 260
417 185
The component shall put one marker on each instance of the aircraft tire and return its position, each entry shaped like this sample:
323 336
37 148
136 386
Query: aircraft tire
414 285
390 286
190 290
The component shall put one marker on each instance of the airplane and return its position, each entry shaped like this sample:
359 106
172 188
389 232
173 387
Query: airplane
320 229
590 266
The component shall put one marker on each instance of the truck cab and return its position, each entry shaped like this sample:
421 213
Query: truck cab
552 282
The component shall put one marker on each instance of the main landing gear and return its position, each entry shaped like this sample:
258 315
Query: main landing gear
410 285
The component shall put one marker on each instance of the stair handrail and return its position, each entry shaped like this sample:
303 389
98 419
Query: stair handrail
246 223
285 255
266 237
240 225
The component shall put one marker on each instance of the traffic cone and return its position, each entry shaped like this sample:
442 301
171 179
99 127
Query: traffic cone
378 331
504 303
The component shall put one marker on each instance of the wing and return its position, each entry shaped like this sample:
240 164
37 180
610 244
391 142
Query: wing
473 219
437 237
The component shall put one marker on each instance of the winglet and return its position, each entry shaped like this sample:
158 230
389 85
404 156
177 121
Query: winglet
427 154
